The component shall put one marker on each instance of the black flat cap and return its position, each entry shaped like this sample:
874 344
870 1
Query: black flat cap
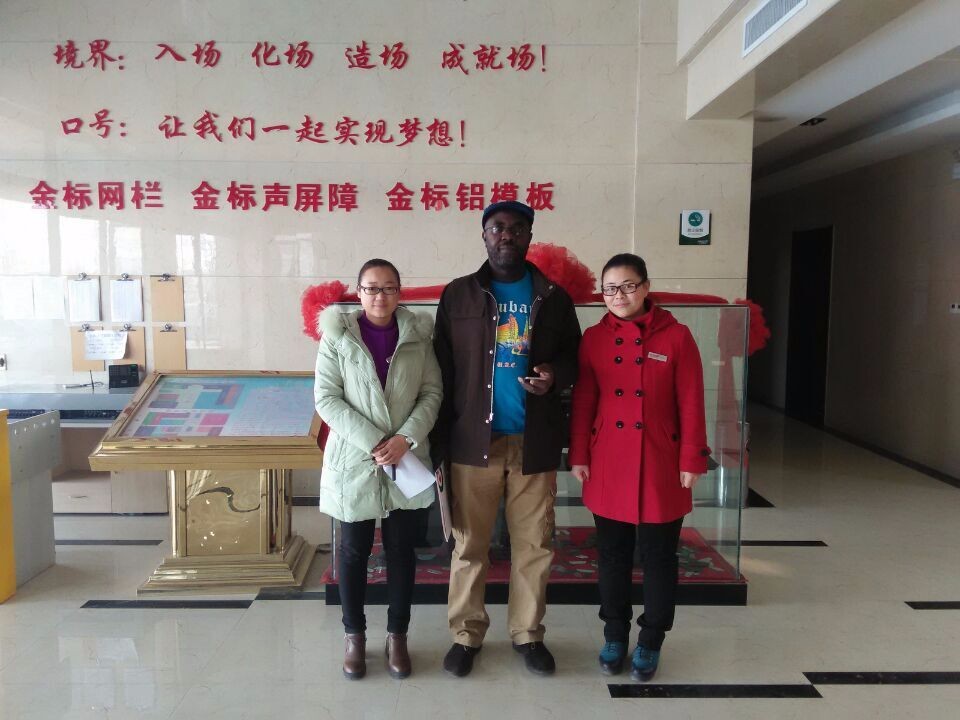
508 206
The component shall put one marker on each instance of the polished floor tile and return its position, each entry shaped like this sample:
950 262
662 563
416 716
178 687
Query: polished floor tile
891 536
114 700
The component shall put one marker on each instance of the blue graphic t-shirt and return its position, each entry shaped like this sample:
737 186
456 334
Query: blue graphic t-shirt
513 344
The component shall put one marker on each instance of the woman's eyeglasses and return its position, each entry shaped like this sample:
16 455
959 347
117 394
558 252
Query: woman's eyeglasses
627 288
374 290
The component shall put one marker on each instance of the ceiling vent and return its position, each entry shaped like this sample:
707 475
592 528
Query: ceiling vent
765 20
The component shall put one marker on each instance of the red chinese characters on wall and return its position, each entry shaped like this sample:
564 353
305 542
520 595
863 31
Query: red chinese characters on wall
69 56
216 127
101 124
205 54
300 197
299 55
110 195
267 56
468 197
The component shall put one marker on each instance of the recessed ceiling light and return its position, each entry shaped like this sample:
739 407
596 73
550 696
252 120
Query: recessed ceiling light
813 121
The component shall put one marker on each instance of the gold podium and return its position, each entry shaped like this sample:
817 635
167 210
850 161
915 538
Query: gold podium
228 441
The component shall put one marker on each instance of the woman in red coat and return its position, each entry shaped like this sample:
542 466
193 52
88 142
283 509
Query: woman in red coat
638 444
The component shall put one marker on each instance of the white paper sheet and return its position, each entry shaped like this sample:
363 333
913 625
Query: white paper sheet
126 300
104 344
84 300
48 298
411 476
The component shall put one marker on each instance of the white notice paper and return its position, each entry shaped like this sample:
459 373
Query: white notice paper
104 344
84 300
126 300
411 476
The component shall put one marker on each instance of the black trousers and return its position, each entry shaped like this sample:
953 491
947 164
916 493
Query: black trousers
616 542
399 532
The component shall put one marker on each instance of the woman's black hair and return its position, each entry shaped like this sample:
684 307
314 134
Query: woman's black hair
375 263
627 260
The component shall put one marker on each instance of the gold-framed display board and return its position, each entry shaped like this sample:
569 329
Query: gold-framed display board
228 442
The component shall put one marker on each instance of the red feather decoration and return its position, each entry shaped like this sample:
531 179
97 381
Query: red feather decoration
759 332
313 302
563 268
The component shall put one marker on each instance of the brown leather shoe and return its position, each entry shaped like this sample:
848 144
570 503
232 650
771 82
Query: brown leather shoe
355 656
398 659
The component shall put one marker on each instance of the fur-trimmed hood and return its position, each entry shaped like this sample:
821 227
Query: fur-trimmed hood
335 323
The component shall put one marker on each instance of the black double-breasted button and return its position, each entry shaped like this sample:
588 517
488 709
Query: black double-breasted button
619 423
638 341
638 425
638 393
618 392
639 360
619 341
618 359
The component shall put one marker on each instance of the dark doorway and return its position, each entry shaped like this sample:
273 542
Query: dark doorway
809 324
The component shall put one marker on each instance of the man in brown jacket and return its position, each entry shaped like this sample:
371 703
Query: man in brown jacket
506 338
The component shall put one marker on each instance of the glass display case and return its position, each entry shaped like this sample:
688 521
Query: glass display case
710 541
228 441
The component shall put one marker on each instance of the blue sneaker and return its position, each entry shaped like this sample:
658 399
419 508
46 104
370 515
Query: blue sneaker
644 663
611 658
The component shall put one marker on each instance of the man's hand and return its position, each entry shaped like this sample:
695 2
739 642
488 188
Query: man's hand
389 451
581 472
541 383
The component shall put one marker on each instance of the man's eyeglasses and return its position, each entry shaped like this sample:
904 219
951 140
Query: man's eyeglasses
627 288
374 290
515 230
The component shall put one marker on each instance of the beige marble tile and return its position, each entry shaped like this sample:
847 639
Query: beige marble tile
658 22
612 21
664 135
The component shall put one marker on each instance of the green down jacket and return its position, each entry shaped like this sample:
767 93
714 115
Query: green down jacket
360 413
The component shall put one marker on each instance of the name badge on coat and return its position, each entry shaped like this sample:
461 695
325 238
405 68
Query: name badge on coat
657 356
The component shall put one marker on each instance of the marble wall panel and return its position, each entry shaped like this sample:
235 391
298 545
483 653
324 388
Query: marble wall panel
603 121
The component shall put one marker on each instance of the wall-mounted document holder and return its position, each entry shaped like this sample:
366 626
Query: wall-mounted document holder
136 347
169 348
166 298
83 293
78 350
126 299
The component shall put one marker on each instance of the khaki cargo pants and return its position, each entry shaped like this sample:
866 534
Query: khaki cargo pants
529 502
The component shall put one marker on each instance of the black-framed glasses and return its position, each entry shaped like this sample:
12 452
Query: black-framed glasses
515 230
374 290
627 288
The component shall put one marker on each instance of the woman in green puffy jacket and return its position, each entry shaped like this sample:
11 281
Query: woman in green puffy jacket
378 388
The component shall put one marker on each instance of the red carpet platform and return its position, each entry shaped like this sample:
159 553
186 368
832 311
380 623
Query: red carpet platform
706 578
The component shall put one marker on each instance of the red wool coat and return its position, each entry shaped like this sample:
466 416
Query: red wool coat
638 417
